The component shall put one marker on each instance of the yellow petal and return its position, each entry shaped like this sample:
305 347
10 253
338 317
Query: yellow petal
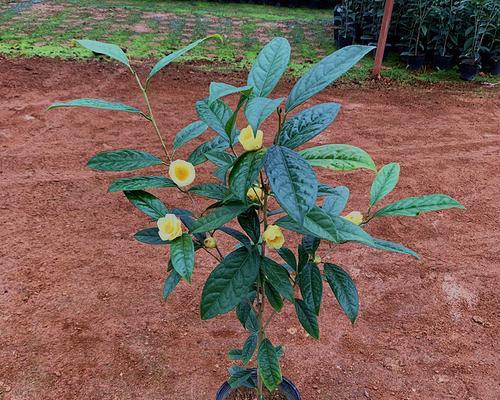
249 141
181 172
355 217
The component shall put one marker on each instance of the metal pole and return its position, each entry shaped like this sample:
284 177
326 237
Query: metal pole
382 39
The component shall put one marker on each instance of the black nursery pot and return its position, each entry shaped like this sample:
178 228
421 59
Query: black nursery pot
495 68
343 41
286 388
468 70
443 62
415 62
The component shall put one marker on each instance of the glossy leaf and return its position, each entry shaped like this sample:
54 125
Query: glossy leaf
311 286
140 182
307 318
123 160
336 201
218 217
246 315
239 377
229 283
324 73
384 182
234 354
245 172
199 155
243 239
190 132
108 49
325 190
344 289
147 203
287 255
170 283
269 365
214 191
310 244
259 109
215 115
220 89
182 256
269 66
178 53
413 206
394 247
292 181
273 297
95 103
339 157
307 124
149 236
249 221
277 275
249 348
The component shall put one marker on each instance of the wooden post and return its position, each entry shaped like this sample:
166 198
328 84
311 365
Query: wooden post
382 39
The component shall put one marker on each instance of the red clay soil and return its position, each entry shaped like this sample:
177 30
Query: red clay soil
81 310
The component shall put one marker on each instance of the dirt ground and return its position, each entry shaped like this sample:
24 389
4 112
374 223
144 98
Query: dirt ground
81 313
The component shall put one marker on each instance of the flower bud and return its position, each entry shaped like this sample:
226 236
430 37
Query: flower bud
210 242
273 237
249 141
355 217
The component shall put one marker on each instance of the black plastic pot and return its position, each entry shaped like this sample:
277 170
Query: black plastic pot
495 68
415 62
286 387
443 62
468 70
343 41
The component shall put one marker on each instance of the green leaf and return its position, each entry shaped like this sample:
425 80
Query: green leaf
310 244
339 157
245 172
147 203
230 127
324 73
259 109
269 365
243 239
140 182
344 289
325 190
303 258
182 255
170 283
95 103
229 283
215 115
394 247
214 191
199 155
249 221
336 201
273 297
123 160
311 286
269 66
307 124
307 318
108 49
239 377
249 348
384 182
220 89
178 53
223 160
190 132
218 217
413 206
292 180
234 354
149 236
278 276
247 317
287 255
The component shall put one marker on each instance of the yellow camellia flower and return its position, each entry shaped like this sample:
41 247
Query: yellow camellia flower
169 227
355 217
181 172
274 237
210 242
317 259
255 193
249 141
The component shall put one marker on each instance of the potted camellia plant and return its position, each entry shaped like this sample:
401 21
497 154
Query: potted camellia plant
444 14
344 20
264 187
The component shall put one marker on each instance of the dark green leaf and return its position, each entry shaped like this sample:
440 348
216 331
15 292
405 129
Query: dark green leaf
245 172
311 286
249 221
336 201
394 247
108 49
229 283
182 256
278 276
96 103
269 365
292 180
170 283
218 217
413 206
249 348
384 182
273 297
338 157
307 318
199 155
234 354
344 289
123 160
289 257
239 377
259 109
215 115
310 244
325 190
324 73
307 124
140 182
190 132
214 191
149 236
220 89
269 66
147 203
237 235
303 258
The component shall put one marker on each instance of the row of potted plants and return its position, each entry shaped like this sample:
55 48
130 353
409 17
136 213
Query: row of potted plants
439 33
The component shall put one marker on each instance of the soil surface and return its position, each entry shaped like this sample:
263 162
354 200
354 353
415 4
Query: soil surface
81 310
249 394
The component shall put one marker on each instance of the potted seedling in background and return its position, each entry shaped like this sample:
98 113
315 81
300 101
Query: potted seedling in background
444 17
344 20
264 187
